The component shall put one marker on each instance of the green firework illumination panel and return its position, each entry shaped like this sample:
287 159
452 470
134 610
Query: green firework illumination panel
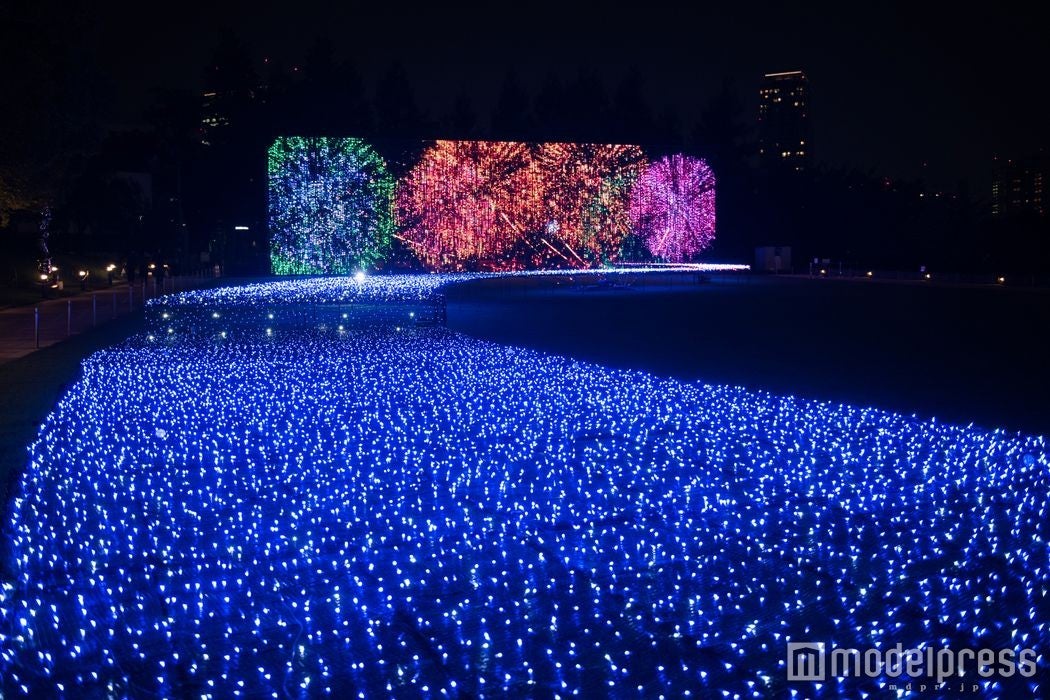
331 205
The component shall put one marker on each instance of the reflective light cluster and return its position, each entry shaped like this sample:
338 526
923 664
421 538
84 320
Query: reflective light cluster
673 207
331 205
409 512
317 290
483 205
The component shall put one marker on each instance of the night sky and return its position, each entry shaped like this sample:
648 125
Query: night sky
892 86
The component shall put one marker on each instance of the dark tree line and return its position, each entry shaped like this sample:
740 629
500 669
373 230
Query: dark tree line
204 180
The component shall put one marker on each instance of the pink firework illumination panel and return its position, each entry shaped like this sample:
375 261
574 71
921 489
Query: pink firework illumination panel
673 207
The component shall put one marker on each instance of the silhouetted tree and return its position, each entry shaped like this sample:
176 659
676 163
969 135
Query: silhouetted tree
48 125
230 69
462 122
317 98
722 135
551 121
631 119
725 141
175 118
668 131
586 109
396 111
511 117
354 109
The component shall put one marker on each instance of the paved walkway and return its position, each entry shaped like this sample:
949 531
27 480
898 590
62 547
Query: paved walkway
24 329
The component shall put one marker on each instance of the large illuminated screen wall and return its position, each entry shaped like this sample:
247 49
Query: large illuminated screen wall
337 205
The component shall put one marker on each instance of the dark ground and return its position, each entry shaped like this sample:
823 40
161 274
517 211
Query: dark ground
961 354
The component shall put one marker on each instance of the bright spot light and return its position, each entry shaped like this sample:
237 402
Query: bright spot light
359 276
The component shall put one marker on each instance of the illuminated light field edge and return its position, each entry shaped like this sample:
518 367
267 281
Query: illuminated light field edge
395 287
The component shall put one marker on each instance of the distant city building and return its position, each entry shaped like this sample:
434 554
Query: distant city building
1018 186
213 115
220 109
783 120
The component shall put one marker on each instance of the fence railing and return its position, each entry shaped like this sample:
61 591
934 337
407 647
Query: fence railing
25 329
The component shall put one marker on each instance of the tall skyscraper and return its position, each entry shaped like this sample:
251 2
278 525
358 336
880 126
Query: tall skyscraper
1017 185
783 120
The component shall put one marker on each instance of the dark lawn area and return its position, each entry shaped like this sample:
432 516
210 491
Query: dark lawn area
961 354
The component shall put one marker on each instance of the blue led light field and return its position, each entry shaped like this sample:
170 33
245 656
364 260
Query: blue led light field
402 511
